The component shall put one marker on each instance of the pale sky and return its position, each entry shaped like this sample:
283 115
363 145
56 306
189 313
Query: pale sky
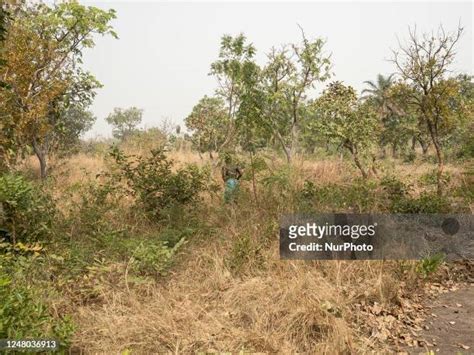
162 59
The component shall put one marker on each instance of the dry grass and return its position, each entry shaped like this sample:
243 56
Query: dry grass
266 305
203 306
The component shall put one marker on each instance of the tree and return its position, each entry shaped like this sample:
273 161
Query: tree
424 64
289 75
398 123
209 122
43 50
124 121
235 63
347 121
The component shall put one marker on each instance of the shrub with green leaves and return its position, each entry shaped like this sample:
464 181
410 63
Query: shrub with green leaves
400 200
430 178
394 188
153 258
26 212
156 184
23 314
361 196
429 265
425 203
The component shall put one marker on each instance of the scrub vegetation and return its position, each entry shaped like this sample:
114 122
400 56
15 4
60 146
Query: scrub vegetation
126 245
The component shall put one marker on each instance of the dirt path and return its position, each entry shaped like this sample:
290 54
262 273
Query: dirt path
450 327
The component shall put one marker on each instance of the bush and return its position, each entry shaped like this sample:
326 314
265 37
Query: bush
153 258
23 314
429 265
87 217
400 201
26 212
425 203
246 255
154 183
394 188
409 157
431 178
361 196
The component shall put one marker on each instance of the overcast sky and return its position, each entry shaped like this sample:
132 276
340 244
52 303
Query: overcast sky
161 61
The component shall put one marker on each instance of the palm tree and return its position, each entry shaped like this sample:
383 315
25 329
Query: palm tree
379 92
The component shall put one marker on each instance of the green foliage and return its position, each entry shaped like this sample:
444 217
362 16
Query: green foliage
245 254
23 314
394 188
209 123
124 121
146 140
346 121
26 212
361 196
425 203
399 199
409 157
429 265
279 180
153 258
156 185
431 178
90 216
44 77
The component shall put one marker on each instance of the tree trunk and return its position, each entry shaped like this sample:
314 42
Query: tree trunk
439 156
374 168
355 156
42 158
413 143
287 154
254 184
394 150
424 145
294 140
359 165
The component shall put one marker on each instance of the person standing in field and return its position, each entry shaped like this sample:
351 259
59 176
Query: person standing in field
231 174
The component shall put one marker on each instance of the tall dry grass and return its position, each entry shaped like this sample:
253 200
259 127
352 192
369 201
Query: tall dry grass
263 304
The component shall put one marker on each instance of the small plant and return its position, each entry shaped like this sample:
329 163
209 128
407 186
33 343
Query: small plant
429 265
153 258
23 314
409 157
245 252
394 187
26 212
308 191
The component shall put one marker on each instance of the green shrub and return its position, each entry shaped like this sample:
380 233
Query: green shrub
409 157
425 203
429 264
26 211
89 217
278 181
245 254
361 196
431 178
23 314
154 182
153 258
394 187
400 201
